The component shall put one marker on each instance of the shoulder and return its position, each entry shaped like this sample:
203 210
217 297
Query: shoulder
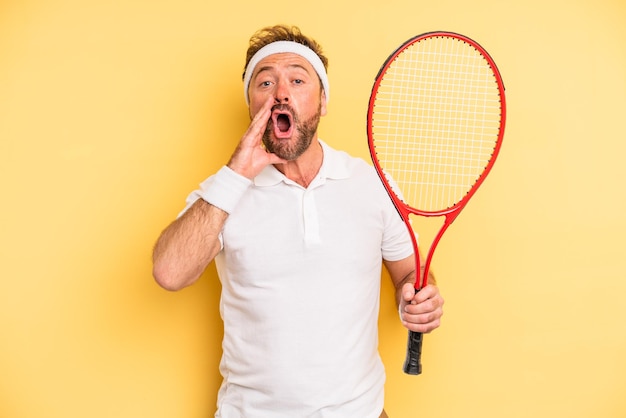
340 164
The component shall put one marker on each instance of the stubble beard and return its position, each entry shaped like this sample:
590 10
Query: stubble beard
304 133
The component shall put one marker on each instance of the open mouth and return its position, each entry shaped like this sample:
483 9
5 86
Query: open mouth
282 121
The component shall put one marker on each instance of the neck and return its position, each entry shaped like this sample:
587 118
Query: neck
304 169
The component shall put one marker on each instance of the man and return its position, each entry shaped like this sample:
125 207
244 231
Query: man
299 232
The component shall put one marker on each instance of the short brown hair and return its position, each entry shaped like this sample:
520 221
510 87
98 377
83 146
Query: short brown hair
275 33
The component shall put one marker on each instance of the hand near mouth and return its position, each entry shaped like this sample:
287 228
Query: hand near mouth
250 156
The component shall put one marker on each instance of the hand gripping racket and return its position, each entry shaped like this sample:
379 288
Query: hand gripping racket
435 124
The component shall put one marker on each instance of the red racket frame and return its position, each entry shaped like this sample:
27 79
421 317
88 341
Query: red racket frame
412 364
452 212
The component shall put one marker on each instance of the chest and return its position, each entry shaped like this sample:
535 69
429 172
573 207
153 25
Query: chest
328 227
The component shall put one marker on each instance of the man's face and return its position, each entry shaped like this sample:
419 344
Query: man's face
295 86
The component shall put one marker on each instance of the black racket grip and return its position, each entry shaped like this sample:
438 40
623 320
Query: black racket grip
413 362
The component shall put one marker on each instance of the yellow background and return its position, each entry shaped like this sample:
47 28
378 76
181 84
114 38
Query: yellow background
112 111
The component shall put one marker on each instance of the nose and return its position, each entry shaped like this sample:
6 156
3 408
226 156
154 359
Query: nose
281 93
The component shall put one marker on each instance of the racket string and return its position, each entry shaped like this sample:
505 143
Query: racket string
436 121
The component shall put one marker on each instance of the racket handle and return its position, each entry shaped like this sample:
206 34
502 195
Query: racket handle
413 362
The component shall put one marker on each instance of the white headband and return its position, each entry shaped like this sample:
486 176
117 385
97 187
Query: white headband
280 47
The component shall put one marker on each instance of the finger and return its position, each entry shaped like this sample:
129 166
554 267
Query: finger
260 119
253 136
426 307
412 316
423 327
408 292
275 159
427 292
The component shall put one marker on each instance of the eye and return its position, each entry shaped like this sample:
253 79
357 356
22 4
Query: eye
266 83
298 81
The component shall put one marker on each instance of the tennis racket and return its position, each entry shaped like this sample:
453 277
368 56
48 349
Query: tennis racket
435 124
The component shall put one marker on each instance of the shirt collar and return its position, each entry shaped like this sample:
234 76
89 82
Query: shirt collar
333 167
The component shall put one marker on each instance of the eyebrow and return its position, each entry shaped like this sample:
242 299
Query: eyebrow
270 67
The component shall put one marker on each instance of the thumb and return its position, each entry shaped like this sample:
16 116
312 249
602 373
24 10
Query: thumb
275 159
408 291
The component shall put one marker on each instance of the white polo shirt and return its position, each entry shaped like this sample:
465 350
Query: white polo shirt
300 272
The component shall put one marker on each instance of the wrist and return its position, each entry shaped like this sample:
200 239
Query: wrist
225 189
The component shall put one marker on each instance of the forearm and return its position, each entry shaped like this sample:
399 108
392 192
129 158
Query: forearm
187 246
